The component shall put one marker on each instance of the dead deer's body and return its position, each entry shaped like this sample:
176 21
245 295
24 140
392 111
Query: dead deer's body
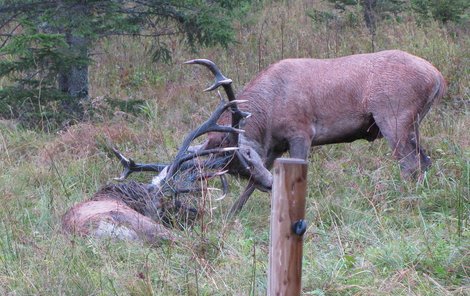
112 218
126 211
299 103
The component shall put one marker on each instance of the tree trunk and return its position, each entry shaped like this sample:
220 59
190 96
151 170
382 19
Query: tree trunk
74 80
370 18
369 14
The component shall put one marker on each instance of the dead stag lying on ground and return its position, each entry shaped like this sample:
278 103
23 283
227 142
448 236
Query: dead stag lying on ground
136 211
299 103
122 211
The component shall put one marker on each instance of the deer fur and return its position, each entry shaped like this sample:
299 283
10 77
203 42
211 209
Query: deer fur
126 211
299 103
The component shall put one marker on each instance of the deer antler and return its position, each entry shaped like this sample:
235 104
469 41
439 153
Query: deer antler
130 166
220 79
209 126
183 164
183 156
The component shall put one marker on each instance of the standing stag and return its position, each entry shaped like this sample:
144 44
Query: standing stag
298 103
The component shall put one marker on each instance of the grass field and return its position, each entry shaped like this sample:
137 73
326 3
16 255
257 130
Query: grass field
370 233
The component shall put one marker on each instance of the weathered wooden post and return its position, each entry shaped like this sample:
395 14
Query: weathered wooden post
287 226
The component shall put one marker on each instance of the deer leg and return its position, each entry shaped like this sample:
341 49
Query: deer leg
403 137
424 160
299 147
238 205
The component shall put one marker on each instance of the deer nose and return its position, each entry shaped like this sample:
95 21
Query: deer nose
265 184
264 188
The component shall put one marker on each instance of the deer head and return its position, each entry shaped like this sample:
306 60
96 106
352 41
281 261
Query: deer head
247 162
232 153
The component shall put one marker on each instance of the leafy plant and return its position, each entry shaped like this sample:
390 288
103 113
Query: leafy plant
442 10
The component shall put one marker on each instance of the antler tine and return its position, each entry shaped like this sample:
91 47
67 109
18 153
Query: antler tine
212 163
223 180
206 176
220 79
238 205
210 175
130 166
209 126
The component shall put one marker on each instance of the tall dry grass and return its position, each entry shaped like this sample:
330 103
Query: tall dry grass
369 232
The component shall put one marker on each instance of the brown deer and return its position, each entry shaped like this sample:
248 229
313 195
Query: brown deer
298 103
110 213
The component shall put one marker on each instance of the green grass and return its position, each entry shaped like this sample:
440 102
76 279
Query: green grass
369 232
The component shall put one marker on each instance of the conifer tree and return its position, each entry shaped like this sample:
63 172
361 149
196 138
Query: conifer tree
45 44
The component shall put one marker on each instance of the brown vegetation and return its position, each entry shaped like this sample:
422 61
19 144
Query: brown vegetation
86 139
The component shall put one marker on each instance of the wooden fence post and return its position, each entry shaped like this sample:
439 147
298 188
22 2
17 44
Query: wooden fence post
287 227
